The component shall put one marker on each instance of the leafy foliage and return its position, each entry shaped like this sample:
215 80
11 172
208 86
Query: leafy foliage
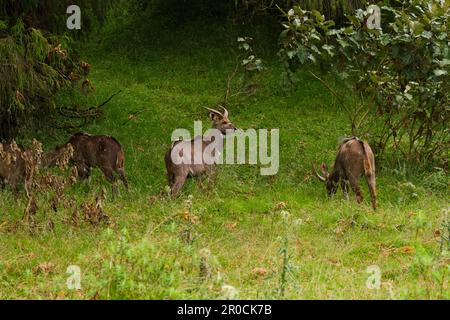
33 68
245 74
399 74
51 15
335 9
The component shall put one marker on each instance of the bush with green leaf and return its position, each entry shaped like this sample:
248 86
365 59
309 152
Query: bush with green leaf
244 78
149 269
398 76
34 66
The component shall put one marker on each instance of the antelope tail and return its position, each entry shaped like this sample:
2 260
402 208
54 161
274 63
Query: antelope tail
120 160
367 165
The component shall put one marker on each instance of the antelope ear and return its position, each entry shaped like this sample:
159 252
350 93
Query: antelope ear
324 169
213 116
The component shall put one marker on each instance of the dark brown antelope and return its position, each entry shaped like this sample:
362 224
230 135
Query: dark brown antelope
354 159
177 173
93 151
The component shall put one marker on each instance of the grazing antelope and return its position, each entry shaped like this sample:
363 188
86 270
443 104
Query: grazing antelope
354 159
178 173
90 151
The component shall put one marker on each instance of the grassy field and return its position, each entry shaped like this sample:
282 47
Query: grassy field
268 237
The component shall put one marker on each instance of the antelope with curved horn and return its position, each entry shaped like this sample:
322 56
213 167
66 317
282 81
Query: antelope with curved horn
353 160
177 172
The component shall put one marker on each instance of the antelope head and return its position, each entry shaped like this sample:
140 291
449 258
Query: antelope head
220 120
325 177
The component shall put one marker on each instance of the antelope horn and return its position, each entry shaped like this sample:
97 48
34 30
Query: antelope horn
215 111
317 174
225 111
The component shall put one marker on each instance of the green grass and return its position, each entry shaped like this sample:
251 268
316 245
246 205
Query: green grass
236 215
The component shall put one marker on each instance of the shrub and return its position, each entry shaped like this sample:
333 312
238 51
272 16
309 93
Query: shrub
140 269
33 67
398 75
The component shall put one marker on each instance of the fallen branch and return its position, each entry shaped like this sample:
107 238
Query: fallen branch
87 113
106 101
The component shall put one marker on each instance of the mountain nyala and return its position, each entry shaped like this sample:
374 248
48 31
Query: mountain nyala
93 151
354 159
177 173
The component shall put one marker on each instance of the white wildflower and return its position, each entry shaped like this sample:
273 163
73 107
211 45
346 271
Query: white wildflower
229 292
285 214
205 253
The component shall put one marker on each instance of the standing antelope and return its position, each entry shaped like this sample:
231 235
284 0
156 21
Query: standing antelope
178 173
354 159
